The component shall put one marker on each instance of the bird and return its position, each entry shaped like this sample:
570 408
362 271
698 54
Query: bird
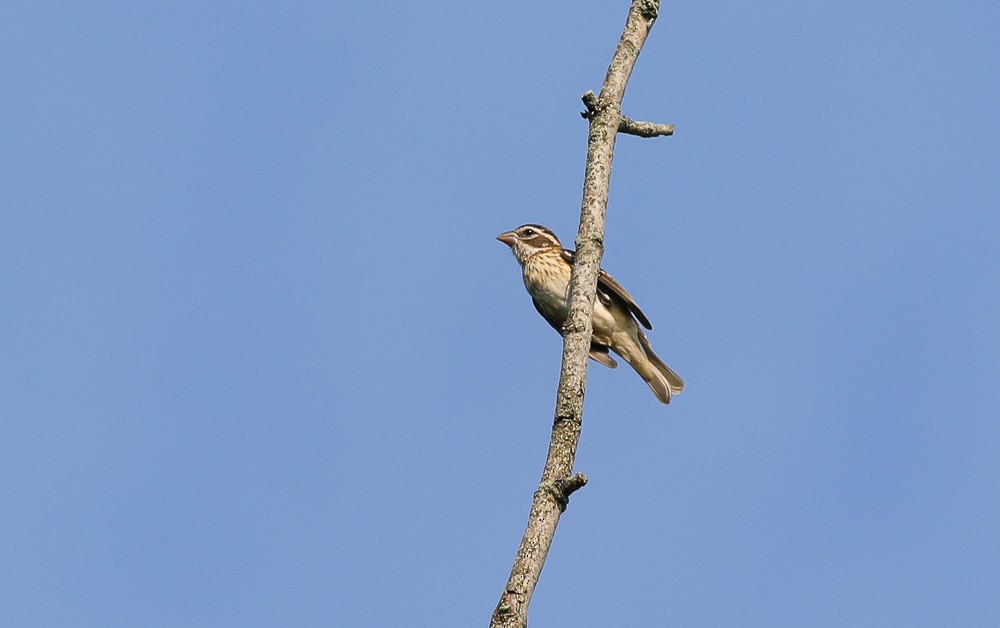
546 268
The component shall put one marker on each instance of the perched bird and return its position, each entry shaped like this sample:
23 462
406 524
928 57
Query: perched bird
546 268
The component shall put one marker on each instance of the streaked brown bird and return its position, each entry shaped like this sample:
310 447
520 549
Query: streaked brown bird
546 268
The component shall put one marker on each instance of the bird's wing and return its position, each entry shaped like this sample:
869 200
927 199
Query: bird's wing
608 287
556 324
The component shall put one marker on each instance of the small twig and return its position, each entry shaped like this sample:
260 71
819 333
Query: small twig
628 126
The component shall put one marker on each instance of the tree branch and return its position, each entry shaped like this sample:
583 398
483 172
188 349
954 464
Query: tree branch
628 126
558 481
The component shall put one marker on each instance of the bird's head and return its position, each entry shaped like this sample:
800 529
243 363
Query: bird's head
527 240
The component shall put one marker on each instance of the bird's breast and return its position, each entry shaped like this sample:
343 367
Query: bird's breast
549 287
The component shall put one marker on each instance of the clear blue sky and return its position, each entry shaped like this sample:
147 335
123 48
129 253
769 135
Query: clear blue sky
264 363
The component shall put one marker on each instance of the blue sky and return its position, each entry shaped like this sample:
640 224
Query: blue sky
265 364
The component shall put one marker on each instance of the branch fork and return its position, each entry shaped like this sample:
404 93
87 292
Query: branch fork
627 125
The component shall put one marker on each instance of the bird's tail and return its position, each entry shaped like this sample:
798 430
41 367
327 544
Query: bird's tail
660 377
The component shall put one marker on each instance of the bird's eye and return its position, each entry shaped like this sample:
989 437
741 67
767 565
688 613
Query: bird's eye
528 232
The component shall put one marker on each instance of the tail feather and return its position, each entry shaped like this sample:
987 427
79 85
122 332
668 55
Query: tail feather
659 387
660 377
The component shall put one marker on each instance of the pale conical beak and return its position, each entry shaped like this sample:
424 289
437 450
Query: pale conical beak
508 238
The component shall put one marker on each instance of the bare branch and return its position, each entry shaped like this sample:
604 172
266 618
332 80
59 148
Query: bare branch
558 481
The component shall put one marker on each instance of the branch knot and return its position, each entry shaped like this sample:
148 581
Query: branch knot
591 103
649 9
561 489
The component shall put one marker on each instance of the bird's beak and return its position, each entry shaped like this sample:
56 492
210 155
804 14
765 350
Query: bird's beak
508 238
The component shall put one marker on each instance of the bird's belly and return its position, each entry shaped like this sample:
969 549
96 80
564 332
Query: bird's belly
604 324
552 295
